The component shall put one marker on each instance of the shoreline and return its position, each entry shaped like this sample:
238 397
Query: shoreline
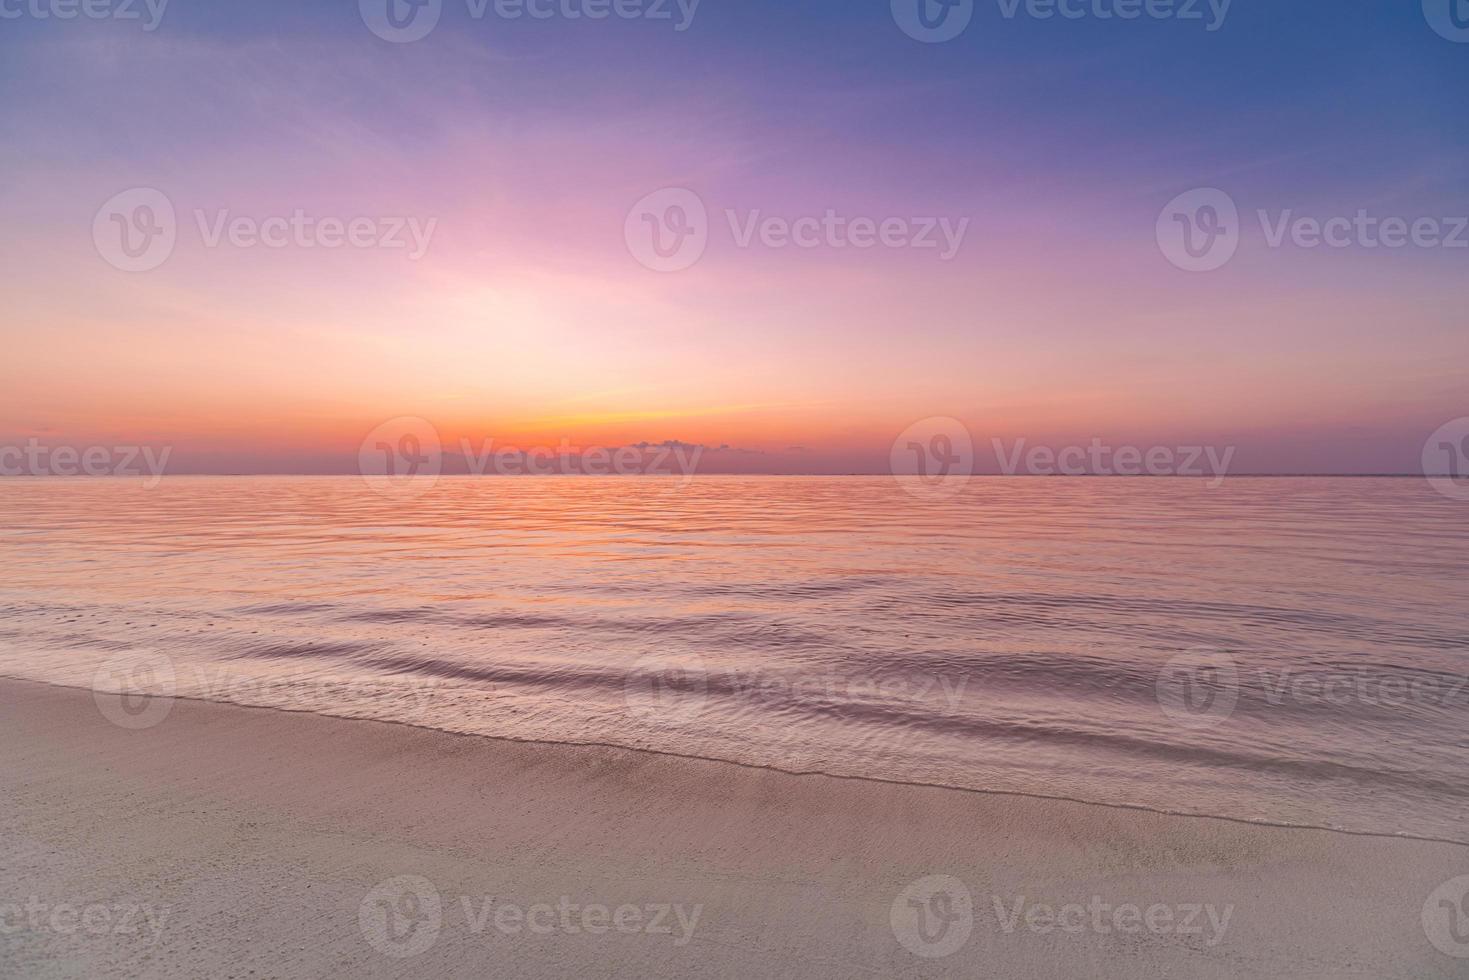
759 767
278 840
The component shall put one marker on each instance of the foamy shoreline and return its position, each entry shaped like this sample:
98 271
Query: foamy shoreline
230 839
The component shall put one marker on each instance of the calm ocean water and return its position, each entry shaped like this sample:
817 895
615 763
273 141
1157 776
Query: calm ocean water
1283 650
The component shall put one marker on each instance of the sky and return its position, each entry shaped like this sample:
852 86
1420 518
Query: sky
861 224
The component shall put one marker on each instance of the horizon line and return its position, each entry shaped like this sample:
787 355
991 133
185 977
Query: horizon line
1007 476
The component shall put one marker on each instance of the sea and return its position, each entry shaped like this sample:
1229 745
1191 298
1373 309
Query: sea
1289 651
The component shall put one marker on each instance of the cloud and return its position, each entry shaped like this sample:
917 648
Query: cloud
696 446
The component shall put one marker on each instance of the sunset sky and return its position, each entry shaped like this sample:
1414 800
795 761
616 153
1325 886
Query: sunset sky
529 319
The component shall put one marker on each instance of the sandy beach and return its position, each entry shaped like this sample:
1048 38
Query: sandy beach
232 841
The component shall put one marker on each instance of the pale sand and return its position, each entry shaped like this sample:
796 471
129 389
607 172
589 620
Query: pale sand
256 835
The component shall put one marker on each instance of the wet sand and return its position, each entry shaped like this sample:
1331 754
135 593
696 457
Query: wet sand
232 841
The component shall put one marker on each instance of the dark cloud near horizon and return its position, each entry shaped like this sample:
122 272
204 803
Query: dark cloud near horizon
701 447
